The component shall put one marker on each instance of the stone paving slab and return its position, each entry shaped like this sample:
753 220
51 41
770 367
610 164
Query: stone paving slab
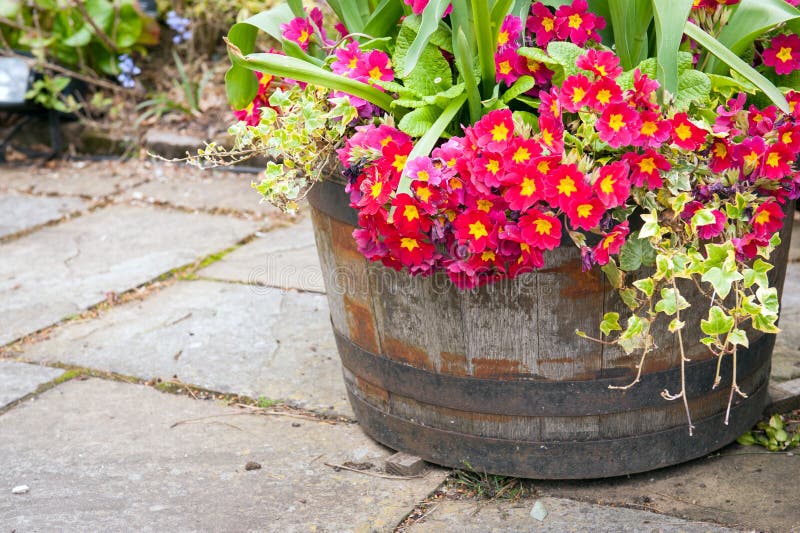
226 337
79 178
62 269
20 379
19 212
191 188
562 516
741 487
786 356
284 257
104 456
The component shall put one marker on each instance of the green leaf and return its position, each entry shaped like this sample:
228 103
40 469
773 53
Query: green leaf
464 63
431 17
610 323
635 335
417 122
349 12
718 323
521 86
635 253
629 298
721 279
650 227
738 336
747 439
718 254
566 54
646 285
129 25
729 87
671 302
648 67
768 296
752 19
670 20
615 276
766 322
630 20
432 74
385 19
732 60
694 87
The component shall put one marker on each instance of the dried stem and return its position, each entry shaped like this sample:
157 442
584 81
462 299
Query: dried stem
97 29
638 378
684 360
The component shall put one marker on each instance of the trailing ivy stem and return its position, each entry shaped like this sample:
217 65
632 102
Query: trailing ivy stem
683 361
639 368
734 385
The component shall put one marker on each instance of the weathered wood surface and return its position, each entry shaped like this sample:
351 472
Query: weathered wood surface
520 330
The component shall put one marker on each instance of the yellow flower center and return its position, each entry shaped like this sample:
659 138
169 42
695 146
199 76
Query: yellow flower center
521 155
604 96
548 24
527 187
488 255
399 162
502 38
543 167
485 205
786 138
774 160
493 166
615 122
683 132
547 137
409 244
762 217
376 189
649 128
385 141
424 194
478 230
499 132
566 186
575 21
601 70
607 184
785 54
303 36
543 227
720 150
411 212
423 175
585 210
647 165
505 67
353 63
578 95
375 73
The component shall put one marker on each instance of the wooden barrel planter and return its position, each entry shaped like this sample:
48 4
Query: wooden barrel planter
496 380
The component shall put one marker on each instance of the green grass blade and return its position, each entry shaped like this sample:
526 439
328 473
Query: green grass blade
521 9
725 55
430 22
384 19
630 20
349 12
671 17
427 142
297 69
481 19
297 8
465 63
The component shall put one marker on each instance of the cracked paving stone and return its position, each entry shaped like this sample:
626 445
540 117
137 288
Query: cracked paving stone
81 178
100 455
562 515
253 341
20 379
285 258
189 188
60 270
19 212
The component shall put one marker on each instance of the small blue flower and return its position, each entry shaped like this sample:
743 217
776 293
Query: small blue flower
180 25
127 71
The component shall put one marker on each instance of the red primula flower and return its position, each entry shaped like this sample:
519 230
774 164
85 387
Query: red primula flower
412 250
551 105
509 32
542 23
686 134
706 231
473 228
376 193
644 91
522 151
618 125
527 189
767 219
540 230
761 121
564 184
508 65
576 23
423 169
298 30
777 161
407 217
375 65
487 171
610 244
348 59
722 155
783 53
789 134
585 212
654 131
646 168
612 186
393 160
494 131
747 246
551 134
428 197
603 92
750 153
575 92
602 63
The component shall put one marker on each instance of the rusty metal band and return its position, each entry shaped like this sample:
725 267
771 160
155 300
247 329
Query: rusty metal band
561 459
545 398
329 198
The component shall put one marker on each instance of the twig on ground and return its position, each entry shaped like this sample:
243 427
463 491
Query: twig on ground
373 474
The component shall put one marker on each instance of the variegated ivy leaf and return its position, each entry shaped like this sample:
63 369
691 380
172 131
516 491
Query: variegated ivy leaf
738 336
676 325
610 323
635 335
671 301
718 323
722 279
646 285
651 227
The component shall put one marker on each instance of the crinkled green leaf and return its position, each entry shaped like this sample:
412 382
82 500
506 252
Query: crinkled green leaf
718 323
417 122
566 54
432 73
